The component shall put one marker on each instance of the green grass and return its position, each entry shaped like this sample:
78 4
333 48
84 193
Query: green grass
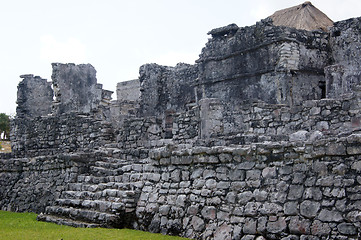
24 226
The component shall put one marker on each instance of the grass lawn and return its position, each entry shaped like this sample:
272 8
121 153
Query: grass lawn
24 226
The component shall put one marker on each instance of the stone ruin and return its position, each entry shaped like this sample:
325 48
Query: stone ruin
259 139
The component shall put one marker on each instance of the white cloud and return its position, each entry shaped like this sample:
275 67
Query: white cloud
69 51
260 11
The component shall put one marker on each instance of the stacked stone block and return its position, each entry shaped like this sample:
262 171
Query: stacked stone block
103 196
237 146
275 190
49 135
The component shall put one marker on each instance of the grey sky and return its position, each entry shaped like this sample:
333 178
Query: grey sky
117 36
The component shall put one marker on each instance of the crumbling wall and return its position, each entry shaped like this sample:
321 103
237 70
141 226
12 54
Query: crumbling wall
32 184
34 97
166 88
227 148
222 124
263 62
81 113
50 135
75 88
151 132
345 41
128 90
127 103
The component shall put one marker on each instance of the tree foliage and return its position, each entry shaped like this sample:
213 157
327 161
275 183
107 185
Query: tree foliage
5 125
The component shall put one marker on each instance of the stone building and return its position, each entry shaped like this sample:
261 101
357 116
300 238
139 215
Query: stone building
259 139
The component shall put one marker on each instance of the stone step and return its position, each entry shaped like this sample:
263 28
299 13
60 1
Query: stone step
106 194
83 215
99 179
98 205
66 221
123 178
102 186
110 165
101 171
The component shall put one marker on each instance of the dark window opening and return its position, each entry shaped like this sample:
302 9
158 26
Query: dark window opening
322 86
336 33
168 124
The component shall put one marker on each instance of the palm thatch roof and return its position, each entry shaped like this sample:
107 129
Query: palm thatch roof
304 16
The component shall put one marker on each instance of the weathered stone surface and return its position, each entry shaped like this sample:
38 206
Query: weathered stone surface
223 233
300 136
277 226
295 192
299 226
250 226
75 88
197 223
320 229
202 150
209 212
347 229
165 88
34 97
330 216
245 197
309 209
291 208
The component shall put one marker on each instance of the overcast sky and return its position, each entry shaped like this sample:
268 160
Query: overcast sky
117 36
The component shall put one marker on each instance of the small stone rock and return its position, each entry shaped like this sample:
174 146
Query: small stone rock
316 135
197 224
319 228
291 208
245 197
277 226
356 165
330 216
300 136
299 226
260 195
251 209
347 229
208 173
253 174
309 209
295 192
248 237
250 226
269 172
209 212
223 233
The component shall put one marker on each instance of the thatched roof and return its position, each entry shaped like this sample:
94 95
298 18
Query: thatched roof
304 16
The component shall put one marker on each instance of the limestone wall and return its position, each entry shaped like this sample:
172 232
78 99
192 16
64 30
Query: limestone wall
266 122
150 132
236 146
128 90
263 62
273 189
32 184
75 88
166 88
345 40
34 97
50 135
